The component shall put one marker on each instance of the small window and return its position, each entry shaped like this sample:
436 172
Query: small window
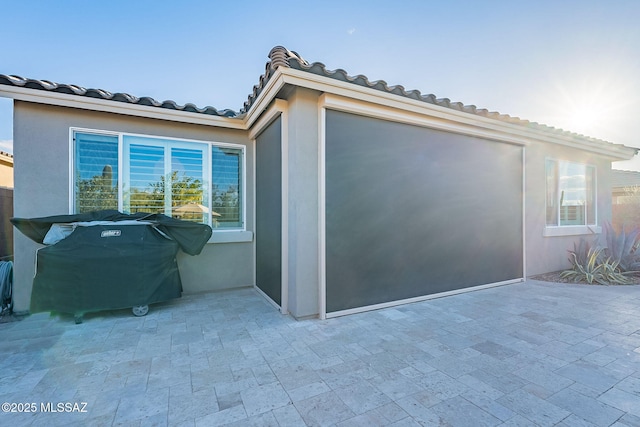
571 194
226 188
96 172
164 176
194 181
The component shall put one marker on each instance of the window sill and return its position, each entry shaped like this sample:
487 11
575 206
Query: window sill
571 230
231 236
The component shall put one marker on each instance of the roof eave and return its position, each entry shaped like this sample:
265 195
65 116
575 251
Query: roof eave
110 106
501 129
6 158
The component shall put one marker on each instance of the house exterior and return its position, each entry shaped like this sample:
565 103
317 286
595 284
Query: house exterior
6 170
625 186
625 193
328 193
6 205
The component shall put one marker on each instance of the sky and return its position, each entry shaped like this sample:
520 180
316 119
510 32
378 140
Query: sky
570 64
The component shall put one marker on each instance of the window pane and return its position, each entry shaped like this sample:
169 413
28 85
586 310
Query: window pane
146 179
591 196
96 172
187 190
573 194
226 197
575 197
552 192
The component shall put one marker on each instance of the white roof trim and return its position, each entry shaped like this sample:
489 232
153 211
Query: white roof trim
458 121
108 106
397 109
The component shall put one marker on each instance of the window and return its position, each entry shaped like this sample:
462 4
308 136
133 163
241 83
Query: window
571 194
226 188
195 181
96 172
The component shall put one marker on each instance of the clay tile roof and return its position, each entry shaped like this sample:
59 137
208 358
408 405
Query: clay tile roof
282 57
621 179
6 157
46 85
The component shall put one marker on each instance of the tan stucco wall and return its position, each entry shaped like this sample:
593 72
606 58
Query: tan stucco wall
42 151
303 203
6 174
542 254
42 188
546 254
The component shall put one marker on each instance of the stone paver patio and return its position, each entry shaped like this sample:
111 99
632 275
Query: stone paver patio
519 355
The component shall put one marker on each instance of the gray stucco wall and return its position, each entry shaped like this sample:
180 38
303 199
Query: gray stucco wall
303 203
546 254
42 188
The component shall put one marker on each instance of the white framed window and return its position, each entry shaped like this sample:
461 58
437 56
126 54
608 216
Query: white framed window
570 194
192 180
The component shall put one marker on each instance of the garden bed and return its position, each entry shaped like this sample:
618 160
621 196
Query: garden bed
555 276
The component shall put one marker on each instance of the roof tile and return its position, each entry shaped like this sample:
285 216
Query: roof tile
49 86
282 57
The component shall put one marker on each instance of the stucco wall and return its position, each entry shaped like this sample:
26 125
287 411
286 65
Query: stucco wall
41 173
546 254
41 176
6 229
542 254
6 174
303 203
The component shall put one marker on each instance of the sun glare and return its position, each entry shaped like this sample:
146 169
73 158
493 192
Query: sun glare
587 119
588 109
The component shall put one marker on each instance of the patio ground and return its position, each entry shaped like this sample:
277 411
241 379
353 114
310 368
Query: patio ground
520 355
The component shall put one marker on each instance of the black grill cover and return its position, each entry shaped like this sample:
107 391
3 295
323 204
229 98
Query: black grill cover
112 266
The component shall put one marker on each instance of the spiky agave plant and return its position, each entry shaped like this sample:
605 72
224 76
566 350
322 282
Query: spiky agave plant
622 247
594 268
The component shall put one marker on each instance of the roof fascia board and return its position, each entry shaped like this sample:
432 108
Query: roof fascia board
6 159
340 103
263 100
508 132
108 106
274 111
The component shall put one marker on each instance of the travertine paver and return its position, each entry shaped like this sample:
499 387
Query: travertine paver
519 355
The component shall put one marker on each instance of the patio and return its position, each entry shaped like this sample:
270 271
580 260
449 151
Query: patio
527 354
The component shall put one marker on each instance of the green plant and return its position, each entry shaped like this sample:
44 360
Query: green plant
622 247
593 267
582 251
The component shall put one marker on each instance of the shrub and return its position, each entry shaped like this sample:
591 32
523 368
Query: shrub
591 266
622 247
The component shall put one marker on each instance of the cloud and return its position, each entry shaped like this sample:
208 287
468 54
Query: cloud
351 31
6 145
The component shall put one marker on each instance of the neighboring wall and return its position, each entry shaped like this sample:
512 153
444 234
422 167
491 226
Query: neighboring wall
6 170
41 135
547 254
6 229
6 205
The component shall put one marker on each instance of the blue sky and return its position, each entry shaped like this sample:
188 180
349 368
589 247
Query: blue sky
569 64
